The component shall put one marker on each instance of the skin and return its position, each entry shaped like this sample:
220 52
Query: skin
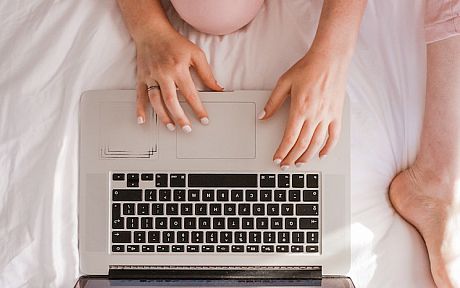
427 194
316 83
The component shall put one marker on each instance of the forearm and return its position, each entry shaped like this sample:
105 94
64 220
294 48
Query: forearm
338 27
144 17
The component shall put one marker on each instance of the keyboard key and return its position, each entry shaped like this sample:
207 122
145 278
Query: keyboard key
258 209
252 248
237 195
128 209
126 195
310 195
132 248
143 209
255 237
283 181
283 237
132 176
267 180
312 180
276 223
132 183
298 237
222 180
251 195
118 223
280 195
168 237
177 180
150 195
207 248
177 248
215 209
186 209
287 209
158 209
139 237
121 236
262 223
161 223
118 177
306 209
132 223
161 180
189 223
294 195
211 237
244 209
147 176
229 209
208 195
238 248
162 248
153 236
218 223
282 248
269 237
172 209
298 181
116 210
247 223
147 223
148 248
182 236
193 195
273 209
179 195
240 237
233 223
226 237
193 248
266 195
290 223
223 248
201 209
268 248
197 237
175 223
296 249
118 248
165 195
308 223
204 223
222 195
311 249
312 237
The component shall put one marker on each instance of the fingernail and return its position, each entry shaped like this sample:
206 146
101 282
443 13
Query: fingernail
299 164
284 167
204 121
140 120
171 127
277 161
220 86
323 156
187 129
261 115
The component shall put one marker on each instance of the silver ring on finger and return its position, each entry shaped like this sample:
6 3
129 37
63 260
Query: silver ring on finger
153 87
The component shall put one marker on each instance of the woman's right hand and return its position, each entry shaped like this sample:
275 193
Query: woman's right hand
164 59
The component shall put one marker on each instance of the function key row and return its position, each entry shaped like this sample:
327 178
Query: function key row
216 248
310 180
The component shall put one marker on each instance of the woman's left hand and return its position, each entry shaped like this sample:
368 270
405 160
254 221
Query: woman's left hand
316 85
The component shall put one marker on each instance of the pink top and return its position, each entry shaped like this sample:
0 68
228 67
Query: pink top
217 17
442 19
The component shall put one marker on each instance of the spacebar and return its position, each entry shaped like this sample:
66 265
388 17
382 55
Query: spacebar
222 180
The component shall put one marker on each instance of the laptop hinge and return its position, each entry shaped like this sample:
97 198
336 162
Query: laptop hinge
215 272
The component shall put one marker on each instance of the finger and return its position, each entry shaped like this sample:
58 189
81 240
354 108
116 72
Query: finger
333 137
317 140
202 67
188 90
301 145
160 109
141 102
277 98
291 133
169 95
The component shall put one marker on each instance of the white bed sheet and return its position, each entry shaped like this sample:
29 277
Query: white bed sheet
52 51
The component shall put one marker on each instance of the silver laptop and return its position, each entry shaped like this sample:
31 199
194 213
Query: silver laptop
207 208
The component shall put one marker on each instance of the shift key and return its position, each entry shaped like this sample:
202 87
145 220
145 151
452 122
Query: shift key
307 209
121 236
127 195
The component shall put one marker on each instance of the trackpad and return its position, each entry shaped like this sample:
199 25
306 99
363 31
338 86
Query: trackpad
231 133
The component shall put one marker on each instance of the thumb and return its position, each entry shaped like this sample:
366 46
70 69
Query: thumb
277 98
203 69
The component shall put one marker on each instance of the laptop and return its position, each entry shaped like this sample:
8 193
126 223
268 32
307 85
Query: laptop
209 208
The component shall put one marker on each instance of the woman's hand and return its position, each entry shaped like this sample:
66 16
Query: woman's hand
164 59
316 85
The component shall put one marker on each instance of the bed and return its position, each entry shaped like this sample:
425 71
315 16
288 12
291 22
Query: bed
52 51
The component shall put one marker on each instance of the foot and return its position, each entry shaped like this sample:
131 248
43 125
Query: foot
426 203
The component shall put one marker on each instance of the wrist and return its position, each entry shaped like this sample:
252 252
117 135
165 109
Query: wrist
151 28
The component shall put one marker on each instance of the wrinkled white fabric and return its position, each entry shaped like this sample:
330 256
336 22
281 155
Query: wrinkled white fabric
52 51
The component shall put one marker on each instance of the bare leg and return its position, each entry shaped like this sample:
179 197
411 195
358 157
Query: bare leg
427 194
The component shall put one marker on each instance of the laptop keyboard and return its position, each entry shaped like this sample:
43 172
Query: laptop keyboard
215 213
